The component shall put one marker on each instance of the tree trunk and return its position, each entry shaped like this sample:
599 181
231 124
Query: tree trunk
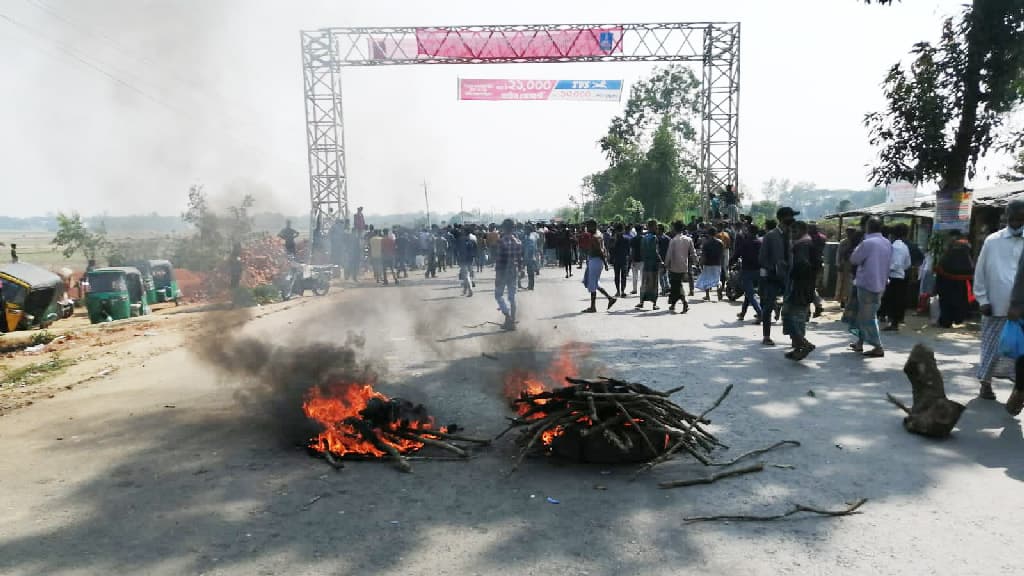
955 175
932 413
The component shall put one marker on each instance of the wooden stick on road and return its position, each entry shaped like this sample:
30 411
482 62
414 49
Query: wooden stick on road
713 478
849 511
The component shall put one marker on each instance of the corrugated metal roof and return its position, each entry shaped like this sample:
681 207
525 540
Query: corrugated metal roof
995 196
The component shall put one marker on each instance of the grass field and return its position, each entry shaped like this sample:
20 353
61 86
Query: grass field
34 247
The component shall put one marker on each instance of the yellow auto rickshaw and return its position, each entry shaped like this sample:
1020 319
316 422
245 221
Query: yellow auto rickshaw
28 296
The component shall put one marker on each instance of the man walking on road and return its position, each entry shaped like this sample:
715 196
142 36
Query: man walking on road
748 249
774 260
796 308
592 244
650 284
466 253
636 250
680 256
507 262
712 253
894 301
998 266
1015 403
872 258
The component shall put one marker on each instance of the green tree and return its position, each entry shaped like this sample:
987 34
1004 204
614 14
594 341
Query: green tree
946 109
74 236
659 177
671 92
763 210
566 213
844 205
215 233
634 209
647 148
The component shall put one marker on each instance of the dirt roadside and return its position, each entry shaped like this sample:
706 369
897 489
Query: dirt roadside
82 352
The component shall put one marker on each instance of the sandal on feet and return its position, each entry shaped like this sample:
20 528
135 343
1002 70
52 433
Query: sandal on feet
1016 402
588 311
767 342
655 307
857 347
875 353
802 352
986 393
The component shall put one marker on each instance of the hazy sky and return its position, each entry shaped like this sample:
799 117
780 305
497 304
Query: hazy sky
118 106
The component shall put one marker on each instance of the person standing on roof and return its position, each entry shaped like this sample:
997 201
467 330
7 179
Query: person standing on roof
288 234
359 221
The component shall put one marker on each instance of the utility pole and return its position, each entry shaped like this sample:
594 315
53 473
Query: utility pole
426 198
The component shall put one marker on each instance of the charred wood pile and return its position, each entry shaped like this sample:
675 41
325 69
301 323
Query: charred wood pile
610 421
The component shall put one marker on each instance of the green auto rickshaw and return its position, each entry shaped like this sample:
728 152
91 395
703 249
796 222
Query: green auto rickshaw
158 276
28 296
115 293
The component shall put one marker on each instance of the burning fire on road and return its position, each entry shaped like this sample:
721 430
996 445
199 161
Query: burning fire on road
360 422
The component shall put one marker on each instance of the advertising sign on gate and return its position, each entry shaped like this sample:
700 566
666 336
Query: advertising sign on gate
525 44
566 90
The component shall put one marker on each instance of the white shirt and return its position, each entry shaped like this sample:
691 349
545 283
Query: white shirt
899 262
997 269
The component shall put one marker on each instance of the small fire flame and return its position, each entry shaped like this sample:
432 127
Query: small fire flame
525 382
335 407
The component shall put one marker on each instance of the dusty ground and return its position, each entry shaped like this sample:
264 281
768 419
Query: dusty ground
157 469
82 352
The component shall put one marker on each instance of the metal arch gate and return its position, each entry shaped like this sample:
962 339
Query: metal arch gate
325 52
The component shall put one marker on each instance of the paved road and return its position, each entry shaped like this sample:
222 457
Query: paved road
104 479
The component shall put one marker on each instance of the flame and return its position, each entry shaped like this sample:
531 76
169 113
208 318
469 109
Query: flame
519 382
331 407
548 436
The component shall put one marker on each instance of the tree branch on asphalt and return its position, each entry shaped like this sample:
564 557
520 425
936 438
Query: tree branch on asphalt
797 508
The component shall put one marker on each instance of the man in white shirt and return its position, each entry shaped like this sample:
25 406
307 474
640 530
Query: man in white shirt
993 283
894 301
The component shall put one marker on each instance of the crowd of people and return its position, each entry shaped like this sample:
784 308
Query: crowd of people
776 269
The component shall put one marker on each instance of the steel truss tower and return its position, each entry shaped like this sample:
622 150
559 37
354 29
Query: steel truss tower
325 52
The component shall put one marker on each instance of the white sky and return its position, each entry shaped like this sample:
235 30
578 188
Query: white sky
223 101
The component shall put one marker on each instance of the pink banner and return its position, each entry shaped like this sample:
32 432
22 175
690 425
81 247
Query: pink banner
480 45
505 89
512 89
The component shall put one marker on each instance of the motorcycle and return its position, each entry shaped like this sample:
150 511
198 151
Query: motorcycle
734 283
298 278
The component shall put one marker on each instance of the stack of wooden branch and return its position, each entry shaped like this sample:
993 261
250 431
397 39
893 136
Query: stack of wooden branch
395 428
639 423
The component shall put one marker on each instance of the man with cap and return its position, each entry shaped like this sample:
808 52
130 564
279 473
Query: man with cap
775 263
